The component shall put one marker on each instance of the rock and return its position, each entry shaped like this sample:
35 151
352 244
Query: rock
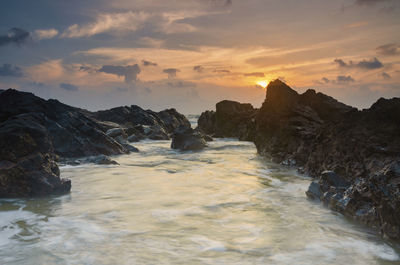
72 132
231 119
100 160
27 159
315 132
35 133
173 120
157 133
133 138
187 139
208 138
134 116
116 132
314 192
131 148
207 122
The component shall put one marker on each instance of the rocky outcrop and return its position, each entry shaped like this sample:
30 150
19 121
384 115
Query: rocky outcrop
148 124
35 134
27 159
186 139
72 133
231 119
354 155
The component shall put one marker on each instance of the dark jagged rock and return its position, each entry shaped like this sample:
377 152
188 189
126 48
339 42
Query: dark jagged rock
72 133
231 119
172 120
27 159
361 149
162 123
34 133
188 139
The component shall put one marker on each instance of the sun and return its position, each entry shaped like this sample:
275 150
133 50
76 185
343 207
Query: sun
263 83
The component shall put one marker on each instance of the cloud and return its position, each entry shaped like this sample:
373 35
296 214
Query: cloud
132 21
364 64
45 33
181 84
171 72
344 79
224 71
255 74
69 87
9 70
15 36
148 63
198 68
106 22
340 79
385 76
370 2
388 49
224 3
129 72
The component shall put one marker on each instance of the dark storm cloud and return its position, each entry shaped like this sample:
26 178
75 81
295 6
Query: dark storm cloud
198 68
148 63
9 70
69 87
388 49
364 64
255 74
386 76
15 36
129 72
171 72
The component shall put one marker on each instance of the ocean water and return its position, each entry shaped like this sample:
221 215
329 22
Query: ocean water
223 205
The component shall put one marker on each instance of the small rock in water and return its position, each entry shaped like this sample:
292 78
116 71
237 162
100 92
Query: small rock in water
188 139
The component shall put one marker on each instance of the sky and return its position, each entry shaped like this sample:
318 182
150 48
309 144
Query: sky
190 54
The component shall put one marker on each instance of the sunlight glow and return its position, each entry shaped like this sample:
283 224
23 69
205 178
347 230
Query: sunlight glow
263 83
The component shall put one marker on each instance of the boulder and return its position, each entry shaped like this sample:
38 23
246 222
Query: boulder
27 159
187 139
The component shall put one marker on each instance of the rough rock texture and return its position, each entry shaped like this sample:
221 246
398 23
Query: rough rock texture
27 166
162 124
35 133
72 133
231 119
354 155
188 139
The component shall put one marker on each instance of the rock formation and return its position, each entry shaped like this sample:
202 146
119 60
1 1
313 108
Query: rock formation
35 134
188 139
354 155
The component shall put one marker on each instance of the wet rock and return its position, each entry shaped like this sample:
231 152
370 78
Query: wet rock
116 132
72 132
27 165
315 132
187 139
100 160
166 121
130 148
133 138
231 119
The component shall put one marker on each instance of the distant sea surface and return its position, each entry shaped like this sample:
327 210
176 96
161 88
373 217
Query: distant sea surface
224 205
